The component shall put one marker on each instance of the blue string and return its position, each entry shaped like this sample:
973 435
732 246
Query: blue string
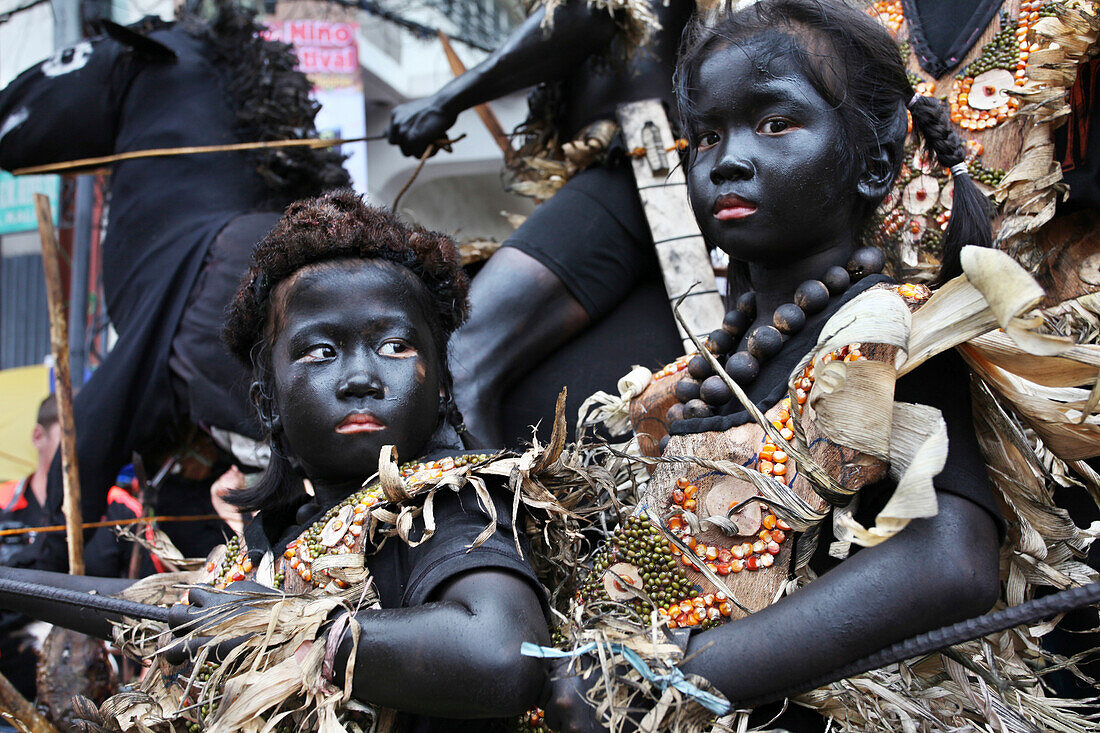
675 678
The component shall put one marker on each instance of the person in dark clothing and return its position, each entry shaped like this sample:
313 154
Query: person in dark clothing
796 112
345 317
584 249
22 505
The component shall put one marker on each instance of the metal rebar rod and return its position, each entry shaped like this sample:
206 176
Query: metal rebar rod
81 599
946 636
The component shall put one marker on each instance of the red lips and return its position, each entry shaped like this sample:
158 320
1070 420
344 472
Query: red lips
359 422
730 207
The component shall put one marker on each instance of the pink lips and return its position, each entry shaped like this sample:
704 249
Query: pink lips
731 207
359 422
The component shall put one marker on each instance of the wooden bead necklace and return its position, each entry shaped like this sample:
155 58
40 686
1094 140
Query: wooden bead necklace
705 391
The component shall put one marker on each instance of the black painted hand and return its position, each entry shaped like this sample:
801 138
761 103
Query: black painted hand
417 124
205 603
567 710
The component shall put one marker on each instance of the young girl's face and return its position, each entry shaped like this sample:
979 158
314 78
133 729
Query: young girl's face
355 368
768 182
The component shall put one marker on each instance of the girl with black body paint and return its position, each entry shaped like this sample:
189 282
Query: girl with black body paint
796 114
344 317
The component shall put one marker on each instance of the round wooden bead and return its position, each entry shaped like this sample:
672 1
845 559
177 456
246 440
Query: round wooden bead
737 322
746 303
789 318
812 296
743 368
697 408
663 443
686 389
675 413
720 342
699 368
866 261
836 279
765 342
714 391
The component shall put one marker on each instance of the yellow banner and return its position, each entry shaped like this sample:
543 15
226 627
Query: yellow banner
21 391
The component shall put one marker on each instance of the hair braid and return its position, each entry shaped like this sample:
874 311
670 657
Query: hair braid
970 211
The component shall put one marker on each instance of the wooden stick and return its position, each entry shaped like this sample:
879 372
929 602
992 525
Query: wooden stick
111 523
312 142
14 704
441 144
488 117
59 341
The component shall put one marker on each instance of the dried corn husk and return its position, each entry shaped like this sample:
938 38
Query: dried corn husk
1029 192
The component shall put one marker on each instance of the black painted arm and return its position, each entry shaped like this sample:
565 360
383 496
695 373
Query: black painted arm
456 657
532 54
934 572
85 620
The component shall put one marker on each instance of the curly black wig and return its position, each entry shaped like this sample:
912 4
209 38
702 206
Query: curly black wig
335 227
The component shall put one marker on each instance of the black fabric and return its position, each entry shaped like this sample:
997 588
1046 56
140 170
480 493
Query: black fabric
942 32
210 385
105 556
411 576
180 496
771 385
164 214
593 235
639 330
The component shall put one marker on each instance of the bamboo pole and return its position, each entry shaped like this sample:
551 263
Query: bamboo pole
488 117
14 704
110 523
73 165
59 341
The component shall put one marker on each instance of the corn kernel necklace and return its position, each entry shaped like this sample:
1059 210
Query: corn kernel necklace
336 532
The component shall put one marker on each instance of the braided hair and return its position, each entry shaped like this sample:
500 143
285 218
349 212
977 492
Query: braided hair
854 64
329 231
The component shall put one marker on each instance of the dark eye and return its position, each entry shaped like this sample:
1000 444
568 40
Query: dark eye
775 126
318 352
707 139
396 347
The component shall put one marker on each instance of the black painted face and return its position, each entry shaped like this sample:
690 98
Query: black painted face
768 182
355 368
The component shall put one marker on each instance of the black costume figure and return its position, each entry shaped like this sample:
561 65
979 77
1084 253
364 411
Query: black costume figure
586 248
179 233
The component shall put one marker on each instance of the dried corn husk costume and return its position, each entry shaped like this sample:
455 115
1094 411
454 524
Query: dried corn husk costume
712 537
276 680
